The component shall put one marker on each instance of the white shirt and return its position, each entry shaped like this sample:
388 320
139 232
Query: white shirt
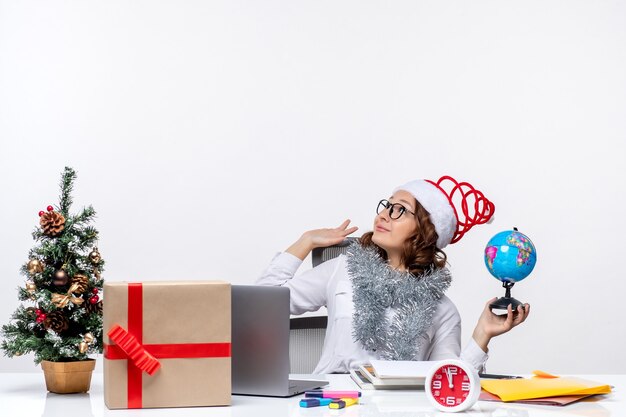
329 285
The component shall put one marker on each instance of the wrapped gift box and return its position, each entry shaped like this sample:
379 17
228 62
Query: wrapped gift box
167 344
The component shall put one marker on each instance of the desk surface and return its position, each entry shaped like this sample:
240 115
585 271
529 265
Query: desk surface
24 394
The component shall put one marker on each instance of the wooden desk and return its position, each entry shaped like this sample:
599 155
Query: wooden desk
24 394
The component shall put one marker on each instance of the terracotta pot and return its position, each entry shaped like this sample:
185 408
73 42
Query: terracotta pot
68 377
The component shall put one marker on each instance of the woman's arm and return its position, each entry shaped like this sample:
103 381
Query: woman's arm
308 290
446 341
320 238
491 325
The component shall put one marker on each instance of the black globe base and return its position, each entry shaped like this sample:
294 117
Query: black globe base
503 303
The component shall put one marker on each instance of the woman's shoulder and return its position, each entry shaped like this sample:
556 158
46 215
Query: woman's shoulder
336 271
446 310
334 266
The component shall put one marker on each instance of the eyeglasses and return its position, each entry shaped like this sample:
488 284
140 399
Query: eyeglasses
396 210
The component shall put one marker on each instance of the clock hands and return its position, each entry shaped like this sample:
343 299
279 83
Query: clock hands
449 376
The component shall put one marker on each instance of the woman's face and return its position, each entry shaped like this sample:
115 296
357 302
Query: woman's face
390 234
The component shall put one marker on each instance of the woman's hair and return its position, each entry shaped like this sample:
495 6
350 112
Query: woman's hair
420 252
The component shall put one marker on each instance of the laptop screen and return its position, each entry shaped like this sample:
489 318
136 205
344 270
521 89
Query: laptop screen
260 340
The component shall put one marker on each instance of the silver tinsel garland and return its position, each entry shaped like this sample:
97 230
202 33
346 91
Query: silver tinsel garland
411 300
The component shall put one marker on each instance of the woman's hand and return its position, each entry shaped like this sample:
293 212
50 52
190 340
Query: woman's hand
320 238
491 325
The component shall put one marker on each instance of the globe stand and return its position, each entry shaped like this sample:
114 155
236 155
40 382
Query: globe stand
502 303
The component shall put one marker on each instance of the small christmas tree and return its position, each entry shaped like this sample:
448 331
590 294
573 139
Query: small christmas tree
63 283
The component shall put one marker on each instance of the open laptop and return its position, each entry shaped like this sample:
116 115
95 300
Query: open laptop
260 343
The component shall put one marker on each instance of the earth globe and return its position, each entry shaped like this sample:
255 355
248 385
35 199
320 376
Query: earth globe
510 256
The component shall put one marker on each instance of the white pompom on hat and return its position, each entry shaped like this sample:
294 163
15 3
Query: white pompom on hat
440 205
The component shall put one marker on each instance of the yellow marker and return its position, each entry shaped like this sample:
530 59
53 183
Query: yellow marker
343 403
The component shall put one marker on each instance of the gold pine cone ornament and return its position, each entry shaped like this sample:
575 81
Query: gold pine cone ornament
82 283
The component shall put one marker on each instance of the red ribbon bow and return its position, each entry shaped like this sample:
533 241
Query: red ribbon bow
134 350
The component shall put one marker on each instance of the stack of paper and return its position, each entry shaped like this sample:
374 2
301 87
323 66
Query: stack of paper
543 388
392 374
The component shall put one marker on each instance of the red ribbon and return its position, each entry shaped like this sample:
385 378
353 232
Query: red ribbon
143 357
483 209
133 350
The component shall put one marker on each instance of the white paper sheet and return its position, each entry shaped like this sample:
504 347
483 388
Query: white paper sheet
401 369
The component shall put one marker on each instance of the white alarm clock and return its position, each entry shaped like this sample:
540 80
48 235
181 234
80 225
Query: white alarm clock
452 385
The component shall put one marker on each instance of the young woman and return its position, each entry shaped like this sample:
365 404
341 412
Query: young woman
385 297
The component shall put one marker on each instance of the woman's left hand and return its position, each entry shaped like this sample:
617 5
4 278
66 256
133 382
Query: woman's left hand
491 325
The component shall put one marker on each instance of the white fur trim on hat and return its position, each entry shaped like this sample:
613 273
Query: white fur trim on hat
438 206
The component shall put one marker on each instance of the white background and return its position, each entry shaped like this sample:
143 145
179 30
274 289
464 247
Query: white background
210 134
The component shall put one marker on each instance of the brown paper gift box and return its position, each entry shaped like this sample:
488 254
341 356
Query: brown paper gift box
169 314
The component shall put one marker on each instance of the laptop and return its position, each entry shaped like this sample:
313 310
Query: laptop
260 343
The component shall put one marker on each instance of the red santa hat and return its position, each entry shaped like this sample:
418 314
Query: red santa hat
443 206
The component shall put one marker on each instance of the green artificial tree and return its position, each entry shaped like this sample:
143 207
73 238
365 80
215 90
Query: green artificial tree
63 322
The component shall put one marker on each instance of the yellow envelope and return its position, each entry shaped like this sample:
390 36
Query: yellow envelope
542 385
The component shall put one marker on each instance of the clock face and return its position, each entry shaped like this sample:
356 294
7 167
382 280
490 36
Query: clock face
451 386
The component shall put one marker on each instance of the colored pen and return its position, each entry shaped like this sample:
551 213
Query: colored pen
314 402
343 403
319 393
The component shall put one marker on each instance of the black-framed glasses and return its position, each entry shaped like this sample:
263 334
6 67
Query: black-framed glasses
396 210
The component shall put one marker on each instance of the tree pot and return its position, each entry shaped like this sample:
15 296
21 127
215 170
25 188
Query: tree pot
68 377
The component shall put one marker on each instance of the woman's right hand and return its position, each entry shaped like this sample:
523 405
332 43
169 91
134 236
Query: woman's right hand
320 238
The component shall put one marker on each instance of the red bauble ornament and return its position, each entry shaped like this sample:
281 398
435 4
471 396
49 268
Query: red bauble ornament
41 213
41 318
94 299
50 208
95 291
38 312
